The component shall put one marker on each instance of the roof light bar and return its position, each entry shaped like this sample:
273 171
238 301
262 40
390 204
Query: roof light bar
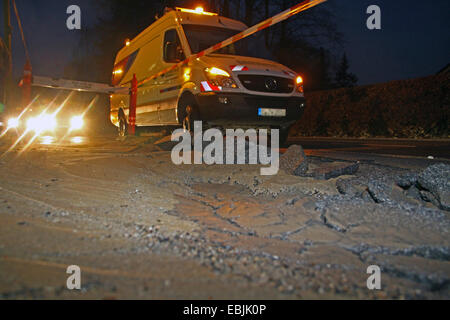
198 10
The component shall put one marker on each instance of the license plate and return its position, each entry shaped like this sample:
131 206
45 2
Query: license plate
267 112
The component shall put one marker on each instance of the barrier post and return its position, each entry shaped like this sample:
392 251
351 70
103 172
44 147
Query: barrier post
132 110
26 84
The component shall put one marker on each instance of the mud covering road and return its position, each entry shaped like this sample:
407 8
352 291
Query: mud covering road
140 227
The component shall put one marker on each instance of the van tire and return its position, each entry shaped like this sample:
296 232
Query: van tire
284 135
123 124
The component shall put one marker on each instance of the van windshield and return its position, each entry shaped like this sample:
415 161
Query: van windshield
201 37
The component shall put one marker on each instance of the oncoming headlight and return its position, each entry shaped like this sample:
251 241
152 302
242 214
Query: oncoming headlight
220 78
76 123
42 123
13 123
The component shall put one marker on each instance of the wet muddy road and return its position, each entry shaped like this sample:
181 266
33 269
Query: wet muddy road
140 227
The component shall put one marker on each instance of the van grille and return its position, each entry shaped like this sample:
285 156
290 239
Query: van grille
267 83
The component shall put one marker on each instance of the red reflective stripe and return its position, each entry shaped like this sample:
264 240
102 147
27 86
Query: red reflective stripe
215 88
206 86
239 68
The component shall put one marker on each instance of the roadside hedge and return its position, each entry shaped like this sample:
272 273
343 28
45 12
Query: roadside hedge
418 108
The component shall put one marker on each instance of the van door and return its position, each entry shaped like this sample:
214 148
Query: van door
147 63
171 82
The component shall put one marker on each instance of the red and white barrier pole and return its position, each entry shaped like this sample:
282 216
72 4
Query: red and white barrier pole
305 5
26 84
132 109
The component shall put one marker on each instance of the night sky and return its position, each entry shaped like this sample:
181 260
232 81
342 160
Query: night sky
414 40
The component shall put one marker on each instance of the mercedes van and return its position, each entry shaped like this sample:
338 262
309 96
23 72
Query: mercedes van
225 89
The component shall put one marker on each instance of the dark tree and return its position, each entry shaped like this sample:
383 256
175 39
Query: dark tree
304 42
345 79
324 81
212 5
226 8
99 45
4 70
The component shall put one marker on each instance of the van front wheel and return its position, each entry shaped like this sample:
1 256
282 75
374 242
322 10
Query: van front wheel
284 135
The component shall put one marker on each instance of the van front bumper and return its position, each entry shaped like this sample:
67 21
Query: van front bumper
243 109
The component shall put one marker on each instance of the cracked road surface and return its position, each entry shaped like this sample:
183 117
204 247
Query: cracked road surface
140 227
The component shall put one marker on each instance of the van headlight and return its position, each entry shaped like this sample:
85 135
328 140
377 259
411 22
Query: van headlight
220 78
299 83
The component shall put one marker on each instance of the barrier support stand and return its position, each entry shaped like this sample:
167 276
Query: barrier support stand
133 102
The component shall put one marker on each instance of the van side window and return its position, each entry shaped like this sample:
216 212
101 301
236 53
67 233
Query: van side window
173 51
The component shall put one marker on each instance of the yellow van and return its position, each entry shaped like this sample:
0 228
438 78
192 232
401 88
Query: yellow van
225 89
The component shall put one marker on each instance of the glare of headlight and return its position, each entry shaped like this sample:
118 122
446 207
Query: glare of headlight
42 123
32 124
77 140
76 123
49 122
13 123
47 140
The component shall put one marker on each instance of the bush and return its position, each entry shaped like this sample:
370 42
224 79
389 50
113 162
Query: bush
409 108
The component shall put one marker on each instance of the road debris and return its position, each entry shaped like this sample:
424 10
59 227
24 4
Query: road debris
332 170
294 161
436 180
